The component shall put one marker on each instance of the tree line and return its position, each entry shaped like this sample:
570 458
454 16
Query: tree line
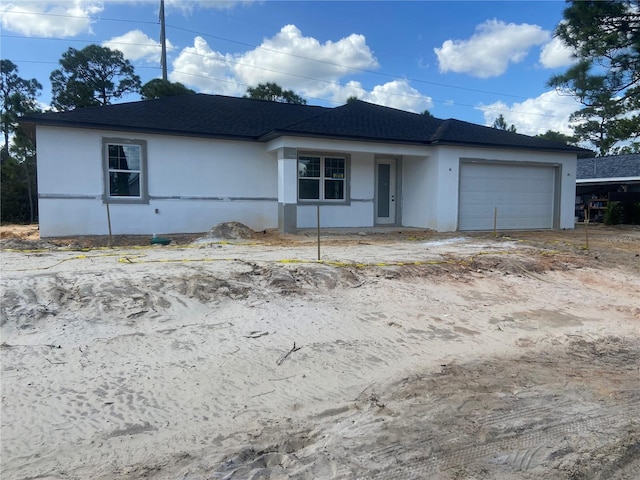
605 78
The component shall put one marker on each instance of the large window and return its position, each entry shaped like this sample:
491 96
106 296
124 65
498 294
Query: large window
125 170
322 178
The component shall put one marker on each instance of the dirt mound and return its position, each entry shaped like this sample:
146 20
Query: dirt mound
227 231
24 232
16 243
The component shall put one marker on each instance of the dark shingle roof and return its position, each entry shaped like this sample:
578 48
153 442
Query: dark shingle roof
193 115
242 118
458 132
615 166
364 120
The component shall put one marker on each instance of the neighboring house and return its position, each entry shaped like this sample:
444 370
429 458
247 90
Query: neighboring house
184 164
600 179
615 173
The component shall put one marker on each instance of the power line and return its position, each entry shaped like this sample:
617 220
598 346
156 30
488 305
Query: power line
104 19
302 57
334 83
244 44
329 82
363 70
338 84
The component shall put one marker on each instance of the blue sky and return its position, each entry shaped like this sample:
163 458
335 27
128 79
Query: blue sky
467 60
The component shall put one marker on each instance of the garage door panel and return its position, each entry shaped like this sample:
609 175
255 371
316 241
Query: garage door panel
523 195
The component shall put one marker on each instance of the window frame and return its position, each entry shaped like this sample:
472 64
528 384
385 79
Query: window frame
143 197
322 200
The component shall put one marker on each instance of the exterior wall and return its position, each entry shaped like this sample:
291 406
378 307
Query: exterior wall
446 169
449 158
419 192
287 189
359 211
193 184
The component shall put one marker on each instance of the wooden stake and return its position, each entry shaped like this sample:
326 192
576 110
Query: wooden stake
495 221
586 232
109 223
318 216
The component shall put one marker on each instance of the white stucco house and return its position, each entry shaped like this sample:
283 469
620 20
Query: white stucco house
183 164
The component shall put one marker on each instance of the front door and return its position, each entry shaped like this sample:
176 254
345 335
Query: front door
386 192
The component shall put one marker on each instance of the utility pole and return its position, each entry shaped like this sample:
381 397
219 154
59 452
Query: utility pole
163 42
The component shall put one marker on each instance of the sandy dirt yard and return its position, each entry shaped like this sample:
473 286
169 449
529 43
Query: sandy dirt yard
400 355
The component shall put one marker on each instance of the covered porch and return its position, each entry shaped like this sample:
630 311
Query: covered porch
353 185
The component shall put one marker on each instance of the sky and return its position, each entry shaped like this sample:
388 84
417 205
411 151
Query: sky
471 60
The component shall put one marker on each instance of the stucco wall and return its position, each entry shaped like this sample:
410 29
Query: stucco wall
419 191
447 169
193 184
449 159
196 183
360 211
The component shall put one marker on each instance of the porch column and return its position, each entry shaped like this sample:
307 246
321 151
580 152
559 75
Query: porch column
287 190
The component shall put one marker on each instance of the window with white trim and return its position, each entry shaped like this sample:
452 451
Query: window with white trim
125 165
322 178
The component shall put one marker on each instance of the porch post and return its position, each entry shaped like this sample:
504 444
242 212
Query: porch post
287 190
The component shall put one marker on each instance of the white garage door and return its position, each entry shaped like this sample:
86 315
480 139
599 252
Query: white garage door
523 195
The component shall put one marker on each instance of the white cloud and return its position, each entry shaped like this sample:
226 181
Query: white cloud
189 6
68 18
295 62
49 19
556 54
491 49
399 94
319 68
313 62
396 94
136 45
339 93
549 111
206 70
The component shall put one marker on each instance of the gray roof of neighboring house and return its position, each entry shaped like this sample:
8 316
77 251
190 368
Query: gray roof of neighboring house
615 166
219 116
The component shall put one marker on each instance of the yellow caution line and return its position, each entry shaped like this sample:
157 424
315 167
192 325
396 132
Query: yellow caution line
77 257
333 263
135 259
124 247
127 259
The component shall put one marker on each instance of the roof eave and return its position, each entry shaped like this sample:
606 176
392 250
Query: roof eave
137 129
284 133
597 181
570 149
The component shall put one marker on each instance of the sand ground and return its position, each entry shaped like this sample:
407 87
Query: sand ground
401 355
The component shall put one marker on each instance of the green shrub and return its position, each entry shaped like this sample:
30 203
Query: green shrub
635 214
613 214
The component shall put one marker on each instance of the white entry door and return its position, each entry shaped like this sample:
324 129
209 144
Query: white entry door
386 192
